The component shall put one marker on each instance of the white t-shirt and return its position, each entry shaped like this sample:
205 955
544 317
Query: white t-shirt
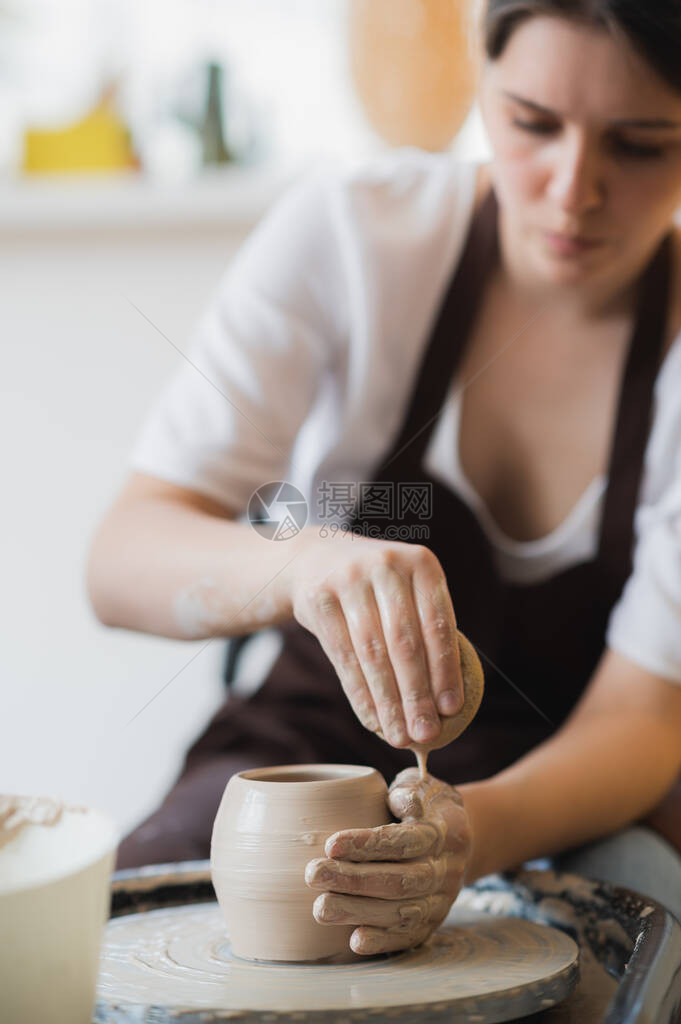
305 357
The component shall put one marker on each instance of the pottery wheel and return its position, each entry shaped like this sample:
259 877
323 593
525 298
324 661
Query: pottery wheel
176 964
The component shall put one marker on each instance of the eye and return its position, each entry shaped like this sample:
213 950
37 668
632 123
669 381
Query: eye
635 150
536 127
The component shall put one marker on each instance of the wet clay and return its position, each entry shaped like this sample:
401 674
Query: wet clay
479 968
422 761
270 824
16 812
453 725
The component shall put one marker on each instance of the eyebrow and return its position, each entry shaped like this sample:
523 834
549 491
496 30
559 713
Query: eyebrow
656 123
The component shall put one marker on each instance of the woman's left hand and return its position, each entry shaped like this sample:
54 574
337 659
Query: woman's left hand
396 882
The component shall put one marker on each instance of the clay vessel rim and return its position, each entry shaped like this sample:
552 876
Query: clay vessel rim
313 775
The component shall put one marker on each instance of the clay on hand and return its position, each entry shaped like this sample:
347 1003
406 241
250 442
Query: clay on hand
382 612
452 726
396 882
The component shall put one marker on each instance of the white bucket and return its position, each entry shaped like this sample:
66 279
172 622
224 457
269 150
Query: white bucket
54 901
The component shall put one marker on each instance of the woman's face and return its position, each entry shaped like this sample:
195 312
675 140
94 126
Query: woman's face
577 122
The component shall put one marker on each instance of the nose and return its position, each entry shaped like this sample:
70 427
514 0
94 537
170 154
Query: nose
577 183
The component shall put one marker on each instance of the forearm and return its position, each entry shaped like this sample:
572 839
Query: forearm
598 773
161 567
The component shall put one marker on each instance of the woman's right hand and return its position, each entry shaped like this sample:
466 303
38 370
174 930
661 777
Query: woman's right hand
382 613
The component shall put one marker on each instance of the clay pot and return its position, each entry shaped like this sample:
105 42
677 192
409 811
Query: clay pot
415 65
270 823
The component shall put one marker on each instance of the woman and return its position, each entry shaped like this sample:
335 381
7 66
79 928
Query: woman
544 292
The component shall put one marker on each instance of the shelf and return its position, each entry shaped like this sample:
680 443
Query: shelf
235 196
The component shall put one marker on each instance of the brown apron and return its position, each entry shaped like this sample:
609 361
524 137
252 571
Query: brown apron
539 643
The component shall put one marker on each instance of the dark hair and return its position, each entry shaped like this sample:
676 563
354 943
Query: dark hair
652 27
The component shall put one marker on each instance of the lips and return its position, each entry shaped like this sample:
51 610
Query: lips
571 243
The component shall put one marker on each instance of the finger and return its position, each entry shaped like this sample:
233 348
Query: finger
438 627
415 800
406 776
386 842
402 630
331 629
366 632
386 881
400 915
369 941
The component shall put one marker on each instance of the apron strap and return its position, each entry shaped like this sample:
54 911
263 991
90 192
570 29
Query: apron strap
450 334
634 412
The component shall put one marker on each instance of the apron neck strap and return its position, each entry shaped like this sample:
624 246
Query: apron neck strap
449 335
634 410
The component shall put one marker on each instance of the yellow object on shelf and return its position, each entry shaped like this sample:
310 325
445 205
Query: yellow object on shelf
98 142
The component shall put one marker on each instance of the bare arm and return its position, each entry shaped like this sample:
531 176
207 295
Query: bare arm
169 561
607 767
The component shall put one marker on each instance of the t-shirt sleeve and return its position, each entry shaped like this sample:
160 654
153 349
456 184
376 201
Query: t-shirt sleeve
228 419
645 624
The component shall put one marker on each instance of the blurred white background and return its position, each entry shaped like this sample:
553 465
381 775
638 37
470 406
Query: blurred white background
80 366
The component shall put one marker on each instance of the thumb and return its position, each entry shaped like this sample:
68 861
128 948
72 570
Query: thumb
417 798
406 801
